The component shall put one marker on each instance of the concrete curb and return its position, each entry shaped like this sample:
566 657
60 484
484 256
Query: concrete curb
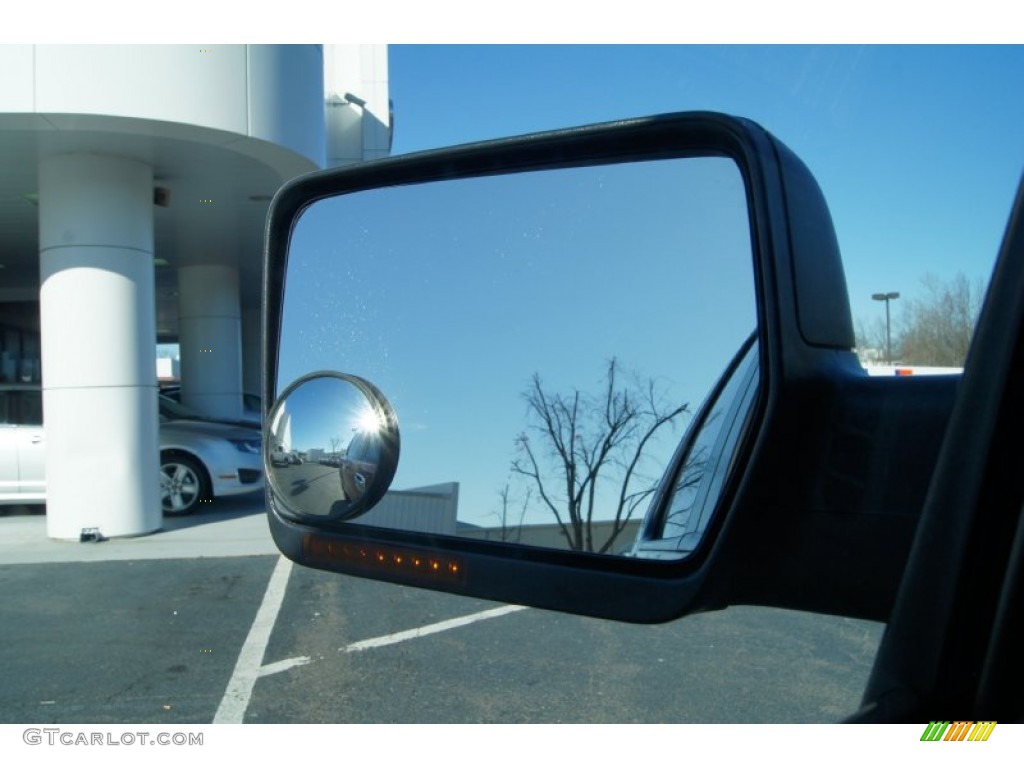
231 527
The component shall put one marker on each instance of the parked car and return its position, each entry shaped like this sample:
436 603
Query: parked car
816 487
251 407
279 456
199 458
22 445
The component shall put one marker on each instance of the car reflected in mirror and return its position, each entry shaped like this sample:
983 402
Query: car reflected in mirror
332 447
360 464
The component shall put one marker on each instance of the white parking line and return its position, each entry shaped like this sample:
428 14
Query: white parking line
284 665
430 629
248 667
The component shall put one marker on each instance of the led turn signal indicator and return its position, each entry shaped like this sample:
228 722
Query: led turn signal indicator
376 559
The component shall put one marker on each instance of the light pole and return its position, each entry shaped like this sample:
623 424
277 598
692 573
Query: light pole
887 297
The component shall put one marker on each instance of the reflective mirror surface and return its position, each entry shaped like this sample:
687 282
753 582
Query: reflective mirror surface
332 446
545 337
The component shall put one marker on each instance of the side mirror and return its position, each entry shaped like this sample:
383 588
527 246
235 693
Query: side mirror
620 355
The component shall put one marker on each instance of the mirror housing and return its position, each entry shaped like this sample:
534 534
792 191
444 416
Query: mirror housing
778 534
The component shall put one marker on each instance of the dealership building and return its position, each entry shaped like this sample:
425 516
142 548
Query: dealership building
135 186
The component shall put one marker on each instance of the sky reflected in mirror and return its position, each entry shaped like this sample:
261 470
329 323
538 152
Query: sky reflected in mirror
454 298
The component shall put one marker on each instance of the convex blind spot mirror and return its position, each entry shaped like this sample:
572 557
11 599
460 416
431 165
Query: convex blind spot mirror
546 337
332 447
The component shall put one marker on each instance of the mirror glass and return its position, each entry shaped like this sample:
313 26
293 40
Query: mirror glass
545 337
332 447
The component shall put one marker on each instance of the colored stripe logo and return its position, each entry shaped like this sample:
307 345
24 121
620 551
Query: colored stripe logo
958 731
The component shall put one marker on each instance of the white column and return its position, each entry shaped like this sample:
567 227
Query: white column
357 129
210 339
97 312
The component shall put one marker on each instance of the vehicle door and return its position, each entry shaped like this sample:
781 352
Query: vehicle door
22 445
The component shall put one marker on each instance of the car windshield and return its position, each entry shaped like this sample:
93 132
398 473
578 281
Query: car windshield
171 410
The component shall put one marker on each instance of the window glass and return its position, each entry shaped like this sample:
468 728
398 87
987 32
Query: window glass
704 468
29 408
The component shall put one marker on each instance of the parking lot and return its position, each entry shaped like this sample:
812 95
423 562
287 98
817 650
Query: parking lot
205 622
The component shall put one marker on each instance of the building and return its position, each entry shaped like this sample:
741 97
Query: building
132 204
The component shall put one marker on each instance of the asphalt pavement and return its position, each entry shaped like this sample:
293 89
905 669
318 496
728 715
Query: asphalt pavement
174 627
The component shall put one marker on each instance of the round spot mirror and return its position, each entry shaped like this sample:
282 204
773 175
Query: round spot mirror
331 447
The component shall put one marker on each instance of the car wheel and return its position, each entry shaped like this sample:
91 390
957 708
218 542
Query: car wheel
183 484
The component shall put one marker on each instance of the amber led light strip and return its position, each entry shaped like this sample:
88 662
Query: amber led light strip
377 558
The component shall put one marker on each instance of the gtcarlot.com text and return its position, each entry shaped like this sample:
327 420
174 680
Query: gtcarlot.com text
58 737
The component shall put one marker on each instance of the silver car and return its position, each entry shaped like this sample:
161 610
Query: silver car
22 445
200 457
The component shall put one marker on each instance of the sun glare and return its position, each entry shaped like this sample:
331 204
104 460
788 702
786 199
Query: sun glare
368 420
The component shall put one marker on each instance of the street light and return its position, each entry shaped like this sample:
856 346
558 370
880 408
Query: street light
887 297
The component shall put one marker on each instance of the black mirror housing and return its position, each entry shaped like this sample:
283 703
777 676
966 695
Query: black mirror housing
807 372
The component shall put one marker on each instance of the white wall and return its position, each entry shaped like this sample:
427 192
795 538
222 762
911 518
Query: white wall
356 132
272 93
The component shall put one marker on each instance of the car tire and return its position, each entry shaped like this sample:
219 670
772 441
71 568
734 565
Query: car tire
183 484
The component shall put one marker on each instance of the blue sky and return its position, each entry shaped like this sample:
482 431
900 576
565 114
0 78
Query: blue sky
918 149
449 299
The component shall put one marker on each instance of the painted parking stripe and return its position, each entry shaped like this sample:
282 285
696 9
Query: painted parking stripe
284 665
249 667
250 659
430 629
